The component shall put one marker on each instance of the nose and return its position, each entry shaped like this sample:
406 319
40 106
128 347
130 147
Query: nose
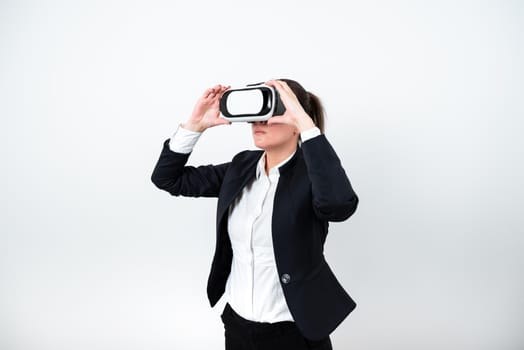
262 122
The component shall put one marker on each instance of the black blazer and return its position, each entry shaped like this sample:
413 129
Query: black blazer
312 189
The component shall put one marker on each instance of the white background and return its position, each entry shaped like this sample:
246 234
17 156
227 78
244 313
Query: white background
424 104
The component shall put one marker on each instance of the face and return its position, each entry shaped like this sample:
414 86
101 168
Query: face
274 136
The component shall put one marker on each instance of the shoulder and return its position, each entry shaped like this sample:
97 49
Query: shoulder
247 156
243 163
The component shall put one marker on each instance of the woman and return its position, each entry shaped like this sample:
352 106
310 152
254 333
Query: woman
273 210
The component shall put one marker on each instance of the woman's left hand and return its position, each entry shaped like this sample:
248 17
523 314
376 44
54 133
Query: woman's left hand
295 114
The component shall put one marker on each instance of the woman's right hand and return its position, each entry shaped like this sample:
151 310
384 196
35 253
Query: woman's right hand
206 113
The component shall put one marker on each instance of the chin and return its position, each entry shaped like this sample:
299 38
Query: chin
261 145
260 141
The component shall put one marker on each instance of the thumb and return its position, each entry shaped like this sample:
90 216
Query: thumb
277 119
222 121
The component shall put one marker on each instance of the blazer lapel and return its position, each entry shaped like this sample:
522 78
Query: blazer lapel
243 172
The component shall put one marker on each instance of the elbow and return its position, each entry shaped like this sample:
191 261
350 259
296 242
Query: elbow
351 207
161 184
337 211
156 181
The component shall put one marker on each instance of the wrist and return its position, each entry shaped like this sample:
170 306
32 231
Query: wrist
305 123
193 127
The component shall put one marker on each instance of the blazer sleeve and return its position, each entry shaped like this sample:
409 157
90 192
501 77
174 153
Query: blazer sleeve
333 196
172 175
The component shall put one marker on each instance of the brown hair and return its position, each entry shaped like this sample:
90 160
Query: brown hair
310 102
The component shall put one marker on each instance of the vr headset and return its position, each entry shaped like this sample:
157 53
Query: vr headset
254 102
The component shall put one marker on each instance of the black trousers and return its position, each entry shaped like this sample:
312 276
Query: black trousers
242 334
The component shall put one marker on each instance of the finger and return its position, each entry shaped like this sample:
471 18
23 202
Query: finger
283 94
214 89
280 87
283 84
286 87
214 94
276 84
289 93
220 89
207 93
224 89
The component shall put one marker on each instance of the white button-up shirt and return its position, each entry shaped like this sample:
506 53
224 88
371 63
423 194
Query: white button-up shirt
253 287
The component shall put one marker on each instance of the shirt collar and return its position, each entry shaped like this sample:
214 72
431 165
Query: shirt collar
262 162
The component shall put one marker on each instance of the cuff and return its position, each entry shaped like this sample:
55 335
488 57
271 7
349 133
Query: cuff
183 140
309 134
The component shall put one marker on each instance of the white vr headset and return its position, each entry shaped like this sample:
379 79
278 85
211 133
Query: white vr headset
254 102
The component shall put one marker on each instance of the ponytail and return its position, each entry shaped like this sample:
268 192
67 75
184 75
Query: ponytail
317 111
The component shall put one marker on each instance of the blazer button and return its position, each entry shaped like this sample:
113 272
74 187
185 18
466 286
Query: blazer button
285 278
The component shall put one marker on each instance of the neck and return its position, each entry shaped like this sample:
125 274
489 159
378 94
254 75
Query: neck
276 156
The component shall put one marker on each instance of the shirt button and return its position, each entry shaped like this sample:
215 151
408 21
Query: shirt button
285 278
